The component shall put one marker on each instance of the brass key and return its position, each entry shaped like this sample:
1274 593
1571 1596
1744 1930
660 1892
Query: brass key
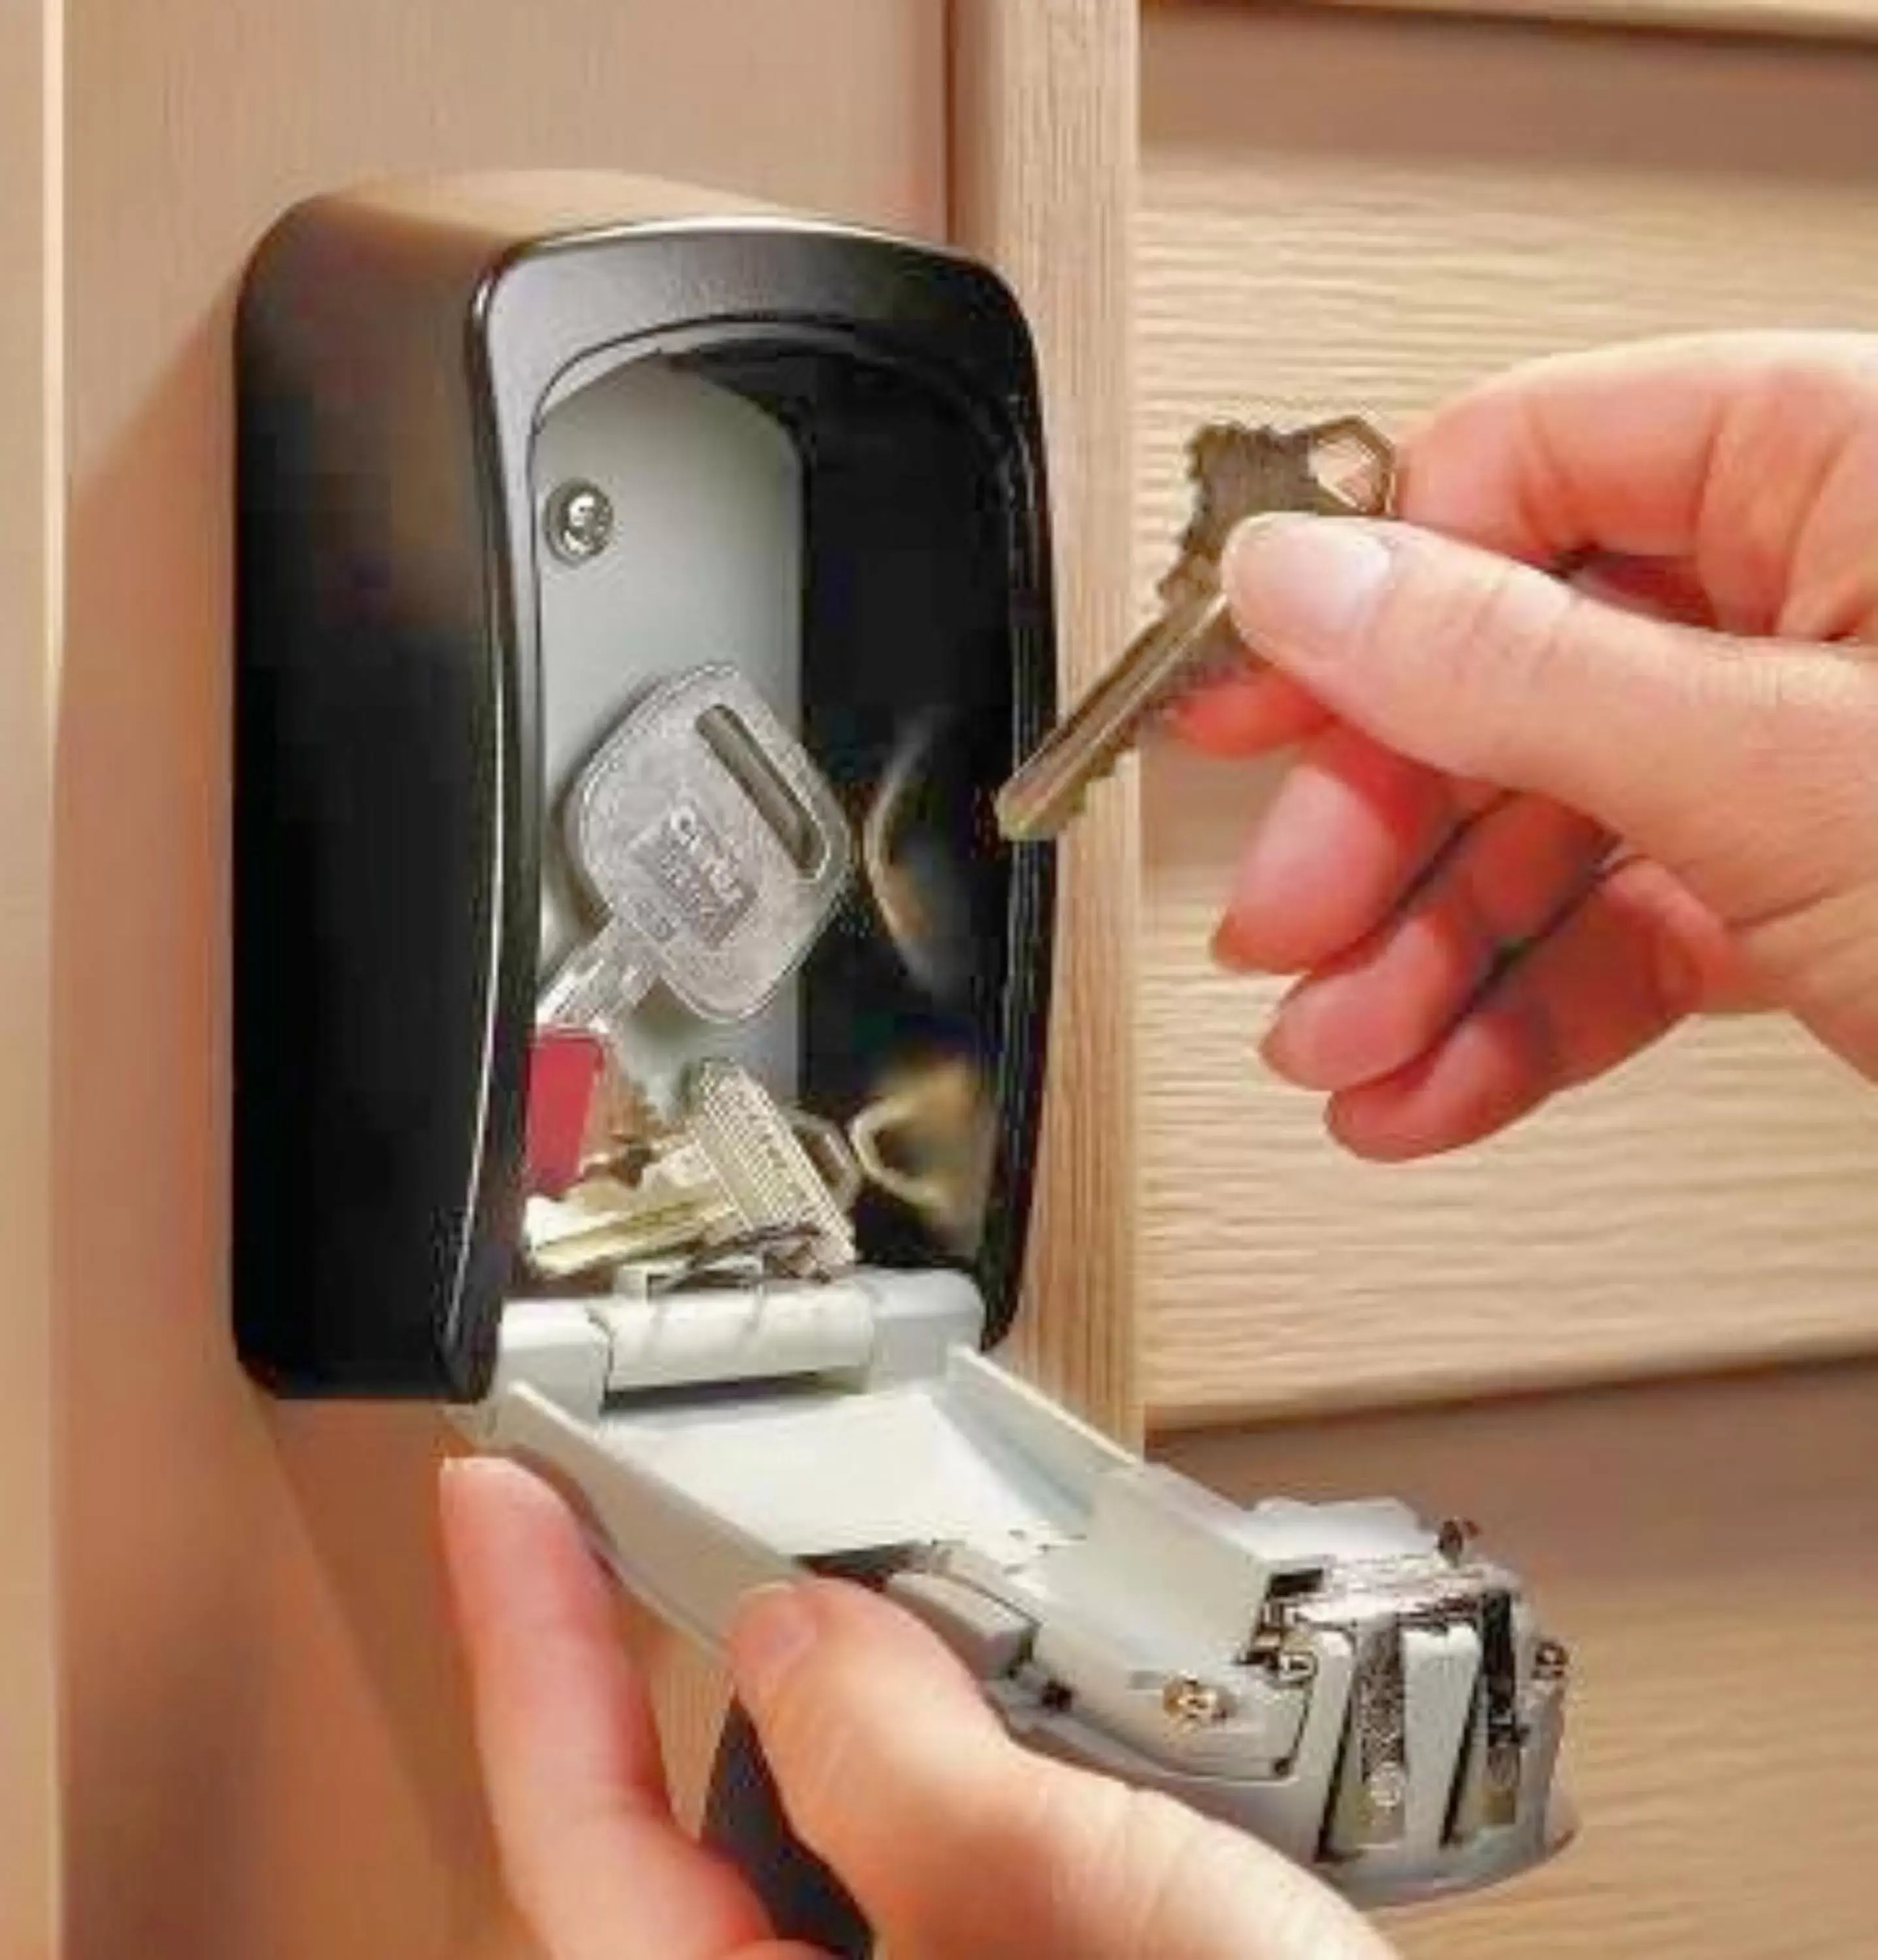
1342 468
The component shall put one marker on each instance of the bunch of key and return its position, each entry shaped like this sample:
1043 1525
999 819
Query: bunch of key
713 854
1342 468
729 1183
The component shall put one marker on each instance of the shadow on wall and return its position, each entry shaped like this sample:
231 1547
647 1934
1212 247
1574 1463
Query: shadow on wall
265 1744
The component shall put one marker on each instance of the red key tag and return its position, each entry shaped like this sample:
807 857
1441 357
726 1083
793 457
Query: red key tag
564 1067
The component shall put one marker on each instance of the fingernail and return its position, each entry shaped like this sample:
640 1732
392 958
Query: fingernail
1678 975
1302 584
770 1632
1294 1048
1287 1046
1225 948
1273 1046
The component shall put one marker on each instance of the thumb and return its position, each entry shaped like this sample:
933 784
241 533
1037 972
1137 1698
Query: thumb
954 1840
1733 761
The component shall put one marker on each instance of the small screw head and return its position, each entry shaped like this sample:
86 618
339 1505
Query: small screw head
1503 1767
1291 1667
1454 1538
1195 1704
1387 1786
578 521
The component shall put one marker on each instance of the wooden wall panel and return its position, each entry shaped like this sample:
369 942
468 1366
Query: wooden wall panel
1809 20
267 1753
29 528
1368 212
1709 1552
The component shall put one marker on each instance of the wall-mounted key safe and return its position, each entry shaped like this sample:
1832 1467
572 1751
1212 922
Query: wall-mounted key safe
640 1022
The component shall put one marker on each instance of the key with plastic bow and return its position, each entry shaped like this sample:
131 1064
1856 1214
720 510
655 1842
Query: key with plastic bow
1342 468
733 1165
712 847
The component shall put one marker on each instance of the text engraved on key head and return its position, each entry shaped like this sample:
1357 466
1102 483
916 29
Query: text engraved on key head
712 863
696 870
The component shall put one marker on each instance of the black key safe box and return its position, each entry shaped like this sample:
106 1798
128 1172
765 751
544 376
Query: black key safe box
514 451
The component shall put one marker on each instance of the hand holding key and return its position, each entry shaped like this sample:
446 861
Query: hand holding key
1537 817
1237 472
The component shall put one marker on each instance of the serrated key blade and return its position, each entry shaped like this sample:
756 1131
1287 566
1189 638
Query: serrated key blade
1342 468
1040 799
761 1164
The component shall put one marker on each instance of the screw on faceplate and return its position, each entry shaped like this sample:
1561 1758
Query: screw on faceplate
1195 1704
1551 1660
1503 1766
1291 1667
578 521
1386 1787
1455 1536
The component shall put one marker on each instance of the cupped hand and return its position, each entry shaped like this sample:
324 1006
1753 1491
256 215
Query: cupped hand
1587 742
957 1845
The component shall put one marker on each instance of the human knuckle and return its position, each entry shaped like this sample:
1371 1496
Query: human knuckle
1838 380
1530 626
1806 753
1497 629
821 1761
1170 1853
1073 1828
1127 1859
1808 723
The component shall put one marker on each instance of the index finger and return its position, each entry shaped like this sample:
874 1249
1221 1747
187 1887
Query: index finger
1710 448
1703 456
564 1725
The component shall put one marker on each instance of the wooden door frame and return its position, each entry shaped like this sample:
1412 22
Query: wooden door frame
30 519
1043 138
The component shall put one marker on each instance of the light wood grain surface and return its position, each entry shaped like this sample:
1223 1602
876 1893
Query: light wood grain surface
29 524
1043 164
1709 1552
267 1753
1354 212
1807 19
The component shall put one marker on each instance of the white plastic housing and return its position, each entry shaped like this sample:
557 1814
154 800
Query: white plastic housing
713 1441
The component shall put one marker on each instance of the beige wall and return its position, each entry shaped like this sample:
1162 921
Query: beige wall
265 1754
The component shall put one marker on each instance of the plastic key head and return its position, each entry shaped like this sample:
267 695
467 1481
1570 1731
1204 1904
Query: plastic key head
711 847
566 1067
